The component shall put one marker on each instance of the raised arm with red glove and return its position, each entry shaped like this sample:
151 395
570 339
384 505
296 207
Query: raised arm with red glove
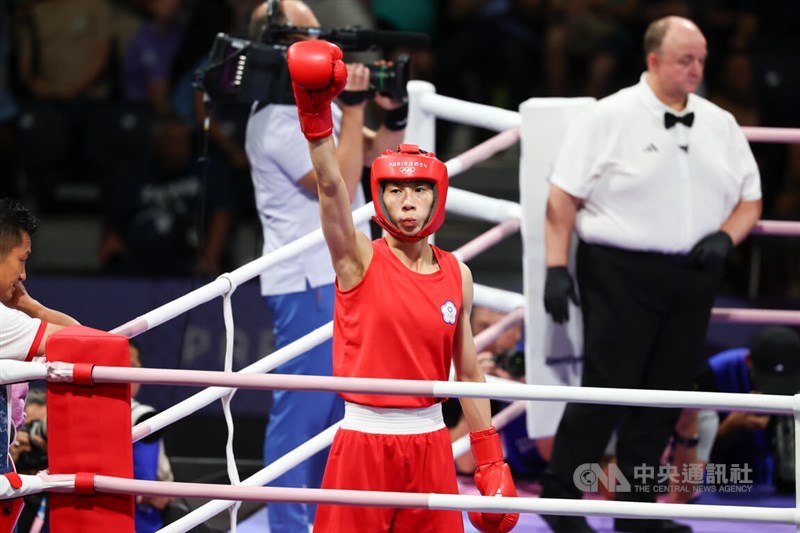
318 76
493 478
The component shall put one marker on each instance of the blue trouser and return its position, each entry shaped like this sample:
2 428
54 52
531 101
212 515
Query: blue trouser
148 519
296 416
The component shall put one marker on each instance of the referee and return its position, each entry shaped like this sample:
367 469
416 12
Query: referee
659 184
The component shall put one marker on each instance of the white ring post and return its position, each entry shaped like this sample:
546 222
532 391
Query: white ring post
470 113
421 127
553 358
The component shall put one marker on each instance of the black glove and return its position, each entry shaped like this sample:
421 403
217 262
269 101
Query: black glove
711 250
558 290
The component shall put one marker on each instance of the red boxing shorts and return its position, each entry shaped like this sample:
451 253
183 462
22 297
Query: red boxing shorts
396 450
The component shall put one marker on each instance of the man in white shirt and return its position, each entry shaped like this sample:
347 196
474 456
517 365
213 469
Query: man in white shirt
25 324
299 291
659 184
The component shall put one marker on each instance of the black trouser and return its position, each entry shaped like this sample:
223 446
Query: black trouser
645 319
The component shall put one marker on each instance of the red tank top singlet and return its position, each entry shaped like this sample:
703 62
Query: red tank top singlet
398 324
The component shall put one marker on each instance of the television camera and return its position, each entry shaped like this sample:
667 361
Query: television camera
244 71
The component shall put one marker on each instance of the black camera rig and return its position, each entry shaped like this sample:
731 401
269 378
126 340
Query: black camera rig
244 71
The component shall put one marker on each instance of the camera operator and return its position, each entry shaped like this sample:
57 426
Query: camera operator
504 347
504 358
29 451
299 292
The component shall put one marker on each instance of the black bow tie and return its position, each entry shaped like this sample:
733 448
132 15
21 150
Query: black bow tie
670 120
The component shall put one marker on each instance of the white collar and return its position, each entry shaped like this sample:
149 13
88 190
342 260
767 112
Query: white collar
656 106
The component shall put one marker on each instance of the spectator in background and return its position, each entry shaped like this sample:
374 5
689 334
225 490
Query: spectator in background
299 292
787 207
761 443
205 19
418 17
505 358
226 120
64 53
504 73
148 59
168 216
8 111
481 319
65 47
585 44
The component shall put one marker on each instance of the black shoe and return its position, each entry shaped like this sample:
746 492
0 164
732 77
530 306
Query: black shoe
637 525
567 524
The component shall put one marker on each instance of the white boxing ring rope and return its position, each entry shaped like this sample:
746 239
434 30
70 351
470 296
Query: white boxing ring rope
456 502
231 494
507 214
772 135
726 401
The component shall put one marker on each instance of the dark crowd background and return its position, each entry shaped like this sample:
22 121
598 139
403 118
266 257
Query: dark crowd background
98 114
99 120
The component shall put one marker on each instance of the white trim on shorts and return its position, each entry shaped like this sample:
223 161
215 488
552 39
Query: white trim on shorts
392 421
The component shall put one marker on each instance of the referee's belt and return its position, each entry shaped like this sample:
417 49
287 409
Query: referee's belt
669 258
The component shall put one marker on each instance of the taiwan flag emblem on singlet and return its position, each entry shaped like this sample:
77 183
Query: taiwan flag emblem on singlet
449 312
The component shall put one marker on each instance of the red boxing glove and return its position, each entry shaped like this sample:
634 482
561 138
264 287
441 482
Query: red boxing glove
318 76
493 478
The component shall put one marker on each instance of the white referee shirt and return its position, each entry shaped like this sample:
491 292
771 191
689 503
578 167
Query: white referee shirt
278 155
20 335
649 188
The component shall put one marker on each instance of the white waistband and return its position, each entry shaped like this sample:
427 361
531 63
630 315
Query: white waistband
392 421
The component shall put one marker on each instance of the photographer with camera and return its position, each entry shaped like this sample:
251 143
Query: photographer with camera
299 292
29 451
506 343
504 358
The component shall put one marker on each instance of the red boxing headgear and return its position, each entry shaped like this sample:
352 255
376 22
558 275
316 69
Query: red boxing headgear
409 163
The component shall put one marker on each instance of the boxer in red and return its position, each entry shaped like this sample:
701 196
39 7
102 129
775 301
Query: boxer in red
401 311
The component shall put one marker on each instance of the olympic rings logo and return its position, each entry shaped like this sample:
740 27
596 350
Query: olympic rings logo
407 171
